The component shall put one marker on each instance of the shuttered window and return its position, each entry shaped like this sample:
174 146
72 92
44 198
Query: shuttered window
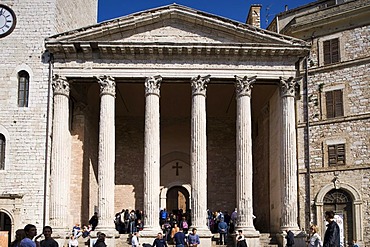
23 86
334 104
331 51
337 154
2 152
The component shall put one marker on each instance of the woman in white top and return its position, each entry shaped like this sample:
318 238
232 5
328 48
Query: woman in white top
315 240
73 242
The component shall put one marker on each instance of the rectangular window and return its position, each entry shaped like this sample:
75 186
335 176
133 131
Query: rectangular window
2 152
334 103
337 154
23 85
331 51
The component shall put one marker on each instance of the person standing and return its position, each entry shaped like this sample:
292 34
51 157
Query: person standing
135 240
193 238
222 229
19 235
240 240
332 237
30 231
94 220
48 241
159 241
315 239
289 238
101 241
179 238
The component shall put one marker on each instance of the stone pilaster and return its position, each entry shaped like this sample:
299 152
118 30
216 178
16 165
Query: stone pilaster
289 214
60 159
198 155
151 157
106 157
244 166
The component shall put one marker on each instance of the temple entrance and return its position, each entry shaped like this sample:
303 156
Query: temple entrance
177 198
5 225
340 202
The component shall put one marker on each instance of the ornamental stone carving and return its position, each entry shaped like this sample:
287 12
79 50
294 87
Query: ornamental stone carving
60 85
107 85
287 86
152 85
244 85
199 84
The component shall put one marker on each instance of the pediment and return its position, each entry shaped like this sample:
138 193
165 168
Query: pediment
174 24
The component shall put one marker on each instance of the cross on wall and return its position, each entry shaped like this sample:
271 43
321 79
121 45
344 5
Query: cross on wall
177 167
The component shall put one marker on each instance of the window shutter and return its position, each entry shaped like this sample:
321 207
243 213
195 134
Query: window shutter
327 53
334 50
338 101
332 155
329 104
341 154
337 154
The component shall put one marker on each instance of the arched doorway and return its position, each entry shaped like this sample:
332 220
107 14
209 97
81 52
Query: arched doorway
340 202
177 198
6 225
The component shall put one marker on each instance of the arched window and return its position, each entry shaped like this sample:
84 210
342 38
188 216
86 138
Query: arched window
23 85
2 152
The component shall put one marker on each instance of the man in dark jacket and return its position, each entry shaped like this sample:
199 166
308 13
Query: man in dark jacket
159 241
332 237
289 238
101 241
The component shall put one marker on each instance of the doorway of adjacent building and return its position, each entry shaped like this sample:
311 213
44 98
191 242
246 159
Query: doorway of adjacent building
341 202
177 198
6 225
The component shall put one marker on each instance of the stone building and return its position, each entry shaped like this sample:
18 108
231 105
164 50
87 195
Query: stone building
173 108
333 146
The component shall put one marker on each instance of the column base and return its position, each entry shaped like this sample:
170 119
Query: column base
300 238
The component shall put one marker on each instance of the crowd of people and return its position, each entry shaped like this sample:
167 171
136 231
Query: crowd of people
175 230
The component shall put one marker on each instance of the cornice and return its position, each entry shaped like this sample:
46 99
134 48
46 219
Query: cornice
122 48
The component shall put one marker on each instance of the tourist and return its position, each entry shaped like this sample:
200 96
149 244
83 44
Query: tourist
19 235
159 241
30 231
315 239
331 238
135 240
139 225
222 229
240 240
174 230
94 220
73 242
289 238
184 225
193 238
76 230
48 241
101 240
179 238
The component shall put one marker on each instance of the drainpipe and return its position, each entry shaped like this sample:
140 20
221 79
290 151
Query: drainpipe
307 139
48 58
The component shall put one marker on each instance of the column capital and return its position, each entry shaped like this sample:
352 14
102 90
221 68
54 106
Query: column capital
199 84
107 85
152 85
244 85
60 85
288 86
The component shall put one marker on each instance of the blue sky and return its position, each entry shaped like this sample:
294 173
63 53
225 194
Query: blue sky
232 9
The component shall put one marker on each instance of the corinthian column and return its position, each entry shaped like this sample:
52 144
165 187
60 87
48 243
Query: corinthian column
244 168
106 157
151 157
289 212
60 158
198 154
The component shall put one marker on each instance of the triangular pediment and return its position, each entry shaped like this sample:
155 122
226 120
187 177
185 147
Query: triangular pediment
174 24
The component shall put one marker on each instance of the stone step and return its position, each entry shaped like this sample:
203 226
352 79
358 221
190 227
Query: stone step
267 240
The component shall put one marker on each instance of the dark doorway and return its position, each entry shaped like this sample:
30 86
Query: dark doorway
6 225
177 198
340 202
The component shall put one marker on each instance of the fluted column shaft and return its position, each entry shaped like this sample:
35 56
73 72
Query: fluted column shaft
152 155
60 157
198 153
244 168
106 157
289 214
